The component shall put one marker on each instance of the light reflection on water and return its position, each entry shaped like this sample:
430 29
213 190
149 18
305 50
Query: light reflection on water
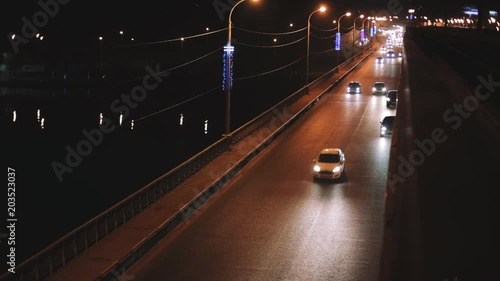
42 120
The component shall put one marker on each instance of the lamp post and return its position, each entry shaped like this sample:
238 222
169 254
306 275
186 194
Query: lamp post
274 44
338 30
354 30
228 49
363 23
121 38
363 26
102 53
322 9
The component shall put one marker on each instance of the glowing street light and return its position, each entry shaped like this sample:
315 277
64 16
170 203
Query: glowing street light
322 9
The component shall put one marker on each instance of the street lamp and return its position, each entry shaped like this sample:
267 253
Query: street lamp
321 9
274 41
364 28
228 52
102 53
348 14
354 30
121 38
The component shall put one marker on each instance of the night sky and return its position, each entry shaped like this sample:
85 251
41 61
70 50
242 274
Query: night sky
79 21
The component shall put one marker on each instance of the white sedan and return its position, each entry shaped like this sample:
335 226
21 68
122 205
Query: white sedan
330 164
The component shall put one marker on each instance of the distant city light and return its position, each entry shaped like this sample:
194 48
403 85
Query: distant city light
206 127
132 125
14 116
181 120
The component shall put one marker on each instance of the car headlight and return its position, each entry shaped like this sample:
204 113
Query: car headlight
336 169
374 89
348 89
383 128
357 89
316 168
388 99
384 89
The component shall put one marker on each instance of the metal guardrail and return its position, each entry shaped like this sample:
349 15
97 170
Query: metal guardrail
54 257
140 249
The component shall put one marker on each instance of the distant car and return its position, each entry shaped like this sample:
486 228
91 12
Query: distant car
383 48
390 54
392 98
379 88
330 164
386 126
380 60
354 87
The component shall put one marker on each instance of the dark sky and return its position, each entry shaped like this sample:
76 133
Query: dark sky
85 20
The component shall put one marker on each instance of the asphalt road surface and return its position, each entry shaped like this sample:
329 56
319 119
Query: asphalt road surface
273 222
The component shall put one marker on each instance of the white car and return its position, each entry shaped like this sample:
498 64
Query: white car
330 164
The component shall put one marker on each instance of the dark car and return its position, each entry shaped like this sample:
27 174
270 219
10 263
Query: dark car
386 126
392 98
354 87
391 54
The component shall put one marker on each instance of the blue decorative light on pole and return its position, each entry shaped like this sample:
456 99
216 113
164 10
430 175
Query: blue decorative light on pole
337 41
227 73
362 36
